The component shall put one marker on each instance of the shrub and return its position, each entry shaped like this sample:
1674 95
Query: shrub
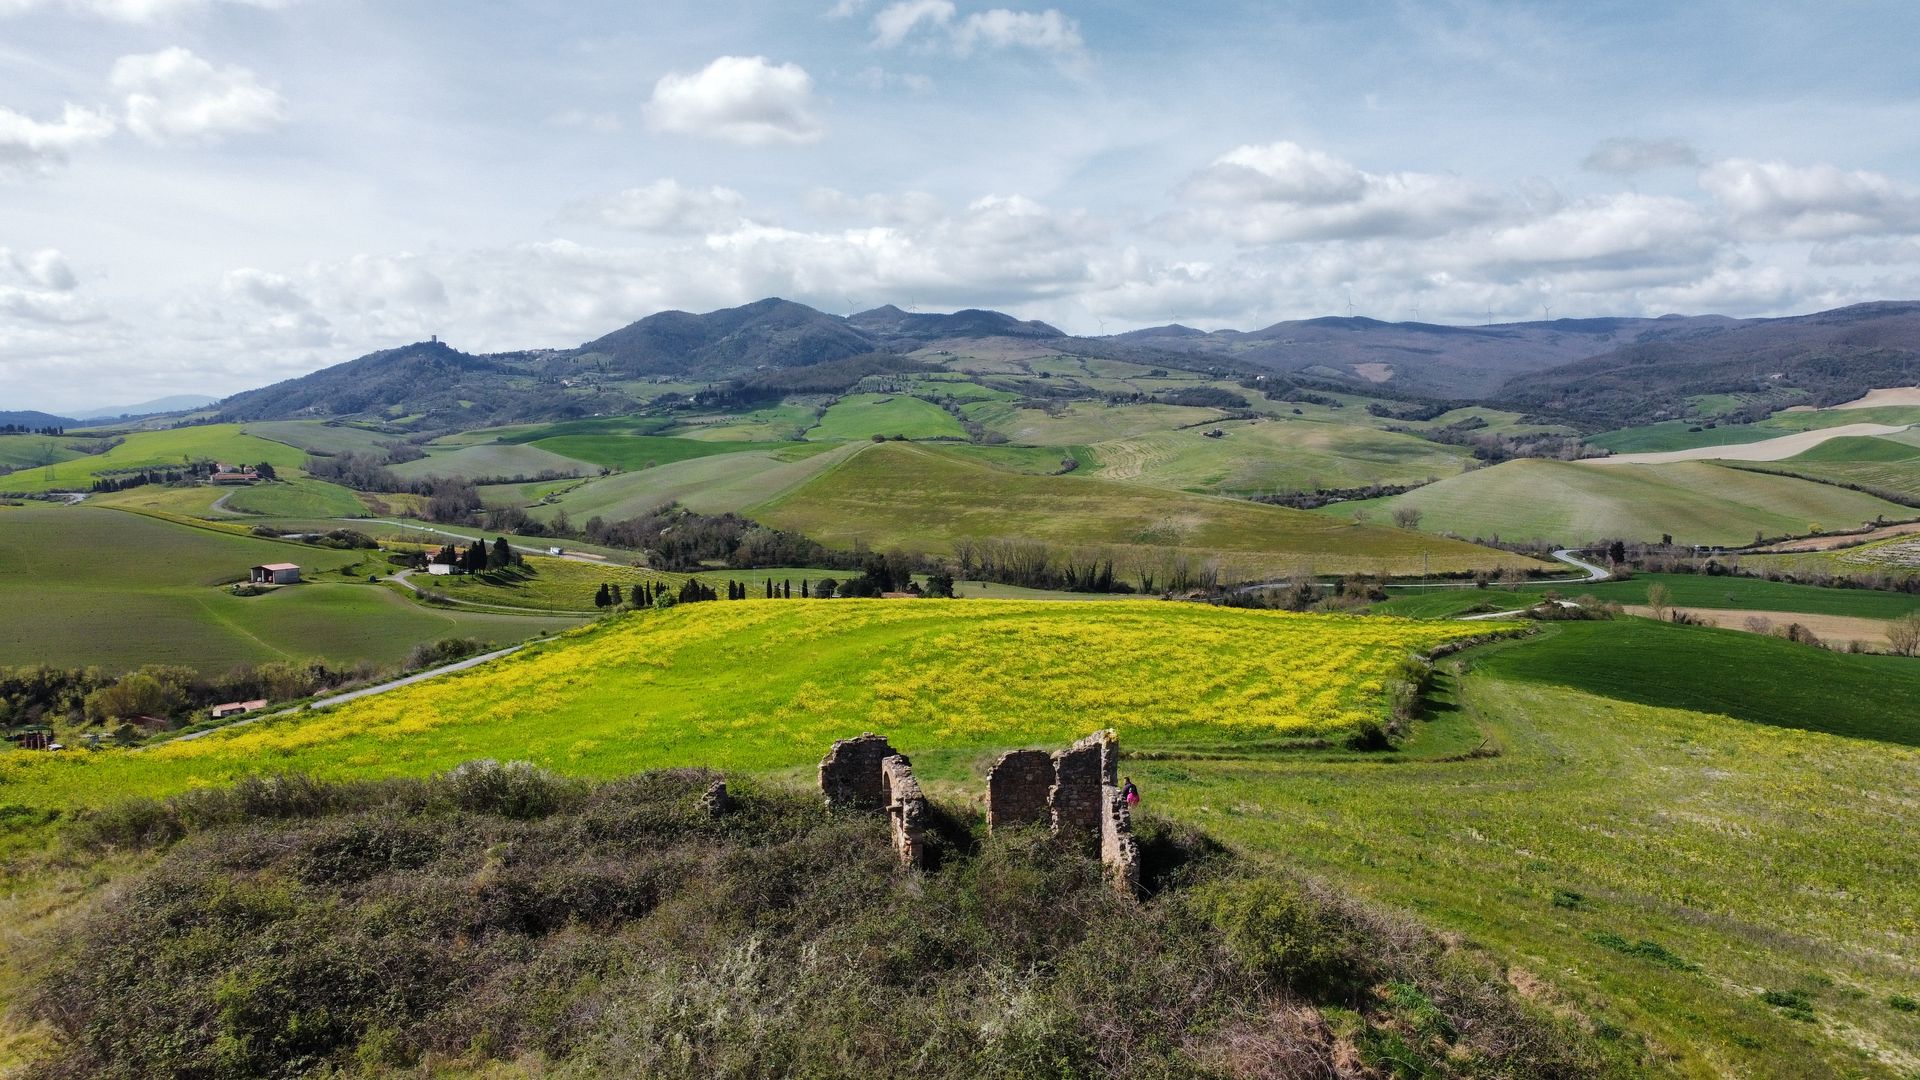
1275 927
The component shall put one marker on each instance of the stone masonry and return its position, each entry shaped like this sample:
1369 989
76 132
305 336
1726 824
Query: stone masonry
1018 787
850 773
1078 775
1119 851
907 809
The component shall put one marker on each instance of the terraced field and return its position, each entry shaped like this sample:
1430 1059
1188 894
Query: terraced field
1268 456
900 494
1574 502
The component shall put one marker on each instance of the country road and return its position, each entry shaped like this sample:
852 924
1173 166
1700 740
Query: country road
354 695
1565 555
403 575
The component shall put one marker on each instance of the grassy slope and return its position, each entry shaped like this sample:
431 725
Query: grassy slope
222 442
1673 434
1083 422
861 416
1764 679
1772 858
1878 463
494 460
1687 591
304 497
631 452
1568 502
20 451
896 494
82 586
1270 456
711 485
321 436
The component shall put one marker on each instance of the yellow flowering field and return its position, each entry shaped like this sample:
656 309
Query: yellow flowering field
769 684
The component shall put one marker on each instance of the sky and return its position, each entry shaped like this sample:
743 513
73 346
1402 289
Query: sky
203 196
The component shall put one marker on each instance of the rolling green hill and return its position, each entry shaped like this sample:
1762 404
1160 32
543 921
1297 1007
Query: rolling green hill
1879 464
1572 502
94 587
1271 456
1676 434
714 484
892 494
174 447
862 416
492 460
632 452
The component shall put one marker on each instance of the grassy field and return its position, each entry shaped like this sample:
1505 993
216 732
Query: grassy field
26 451
1882 464
1673 434
862 416
220 442
1568 502
82 586
323 436
303 497
1268 456
633 452
776 424
768 684
1779 683
912 496
1660 868
1082 422
570 584
491 460
710 485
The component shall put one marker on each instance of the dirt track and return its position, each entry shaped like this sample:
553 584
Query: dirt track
1778 449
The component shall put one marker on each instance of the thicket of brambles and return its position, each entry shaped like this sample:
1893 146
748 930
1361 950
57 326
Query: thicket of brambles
498 914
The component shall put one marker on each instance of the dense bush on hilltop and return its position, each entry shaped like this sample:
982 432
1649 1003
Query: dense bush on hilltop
497 914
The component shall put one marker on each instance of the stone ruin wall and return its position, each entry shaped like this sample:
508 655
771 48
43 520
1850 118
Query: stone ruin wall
1073 791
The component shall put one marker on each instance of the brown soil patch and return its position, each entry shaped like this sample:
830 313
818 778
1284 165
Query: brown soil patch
1833 629
1374 372
1828 543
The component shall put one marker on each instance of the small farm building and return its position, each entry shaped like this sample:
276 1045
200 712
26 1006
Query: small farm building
275 573
441 569
235 708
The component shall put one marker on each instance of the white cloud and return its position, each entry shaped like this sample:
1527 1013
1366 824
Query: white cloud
1612 231
846 9
1626 156
1876 252
905 208
43 269
664 207
1285 192
269 290
29 145
741 99
998 28
1775 200
1044 31
174 96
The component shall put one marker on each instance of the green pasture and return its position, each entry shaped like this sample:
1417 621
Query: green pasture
29 451
323 436
1082 422
598 425
493 461
1880 464
1268 456
716 484
862 416
149 449
777 424
895 494
1752 677
630 453
1696 502
302 497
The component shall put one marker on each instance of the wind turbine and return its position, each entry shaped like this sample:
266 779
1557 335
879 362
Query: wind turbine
1349 303
1548 308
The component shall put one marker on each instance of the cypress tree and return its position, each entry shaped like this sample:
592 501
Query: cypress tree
613 595
804 593
502 553
600 598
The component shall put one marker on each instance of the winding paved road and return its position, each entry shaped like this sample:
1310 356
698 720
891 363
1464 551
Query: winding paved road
353 695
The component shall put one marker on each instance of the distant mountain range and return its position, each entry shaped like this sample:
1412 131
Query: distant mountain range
1593 372
176 403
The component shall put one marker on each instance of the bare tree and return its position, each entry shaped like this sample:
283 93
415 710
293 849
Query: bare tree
1407 517
1759 624
1903 635
1660 600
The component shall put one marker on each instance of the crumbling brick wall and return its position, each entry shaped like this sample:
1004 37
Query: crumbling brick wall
907 809
1018 788
1078 775
850 773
